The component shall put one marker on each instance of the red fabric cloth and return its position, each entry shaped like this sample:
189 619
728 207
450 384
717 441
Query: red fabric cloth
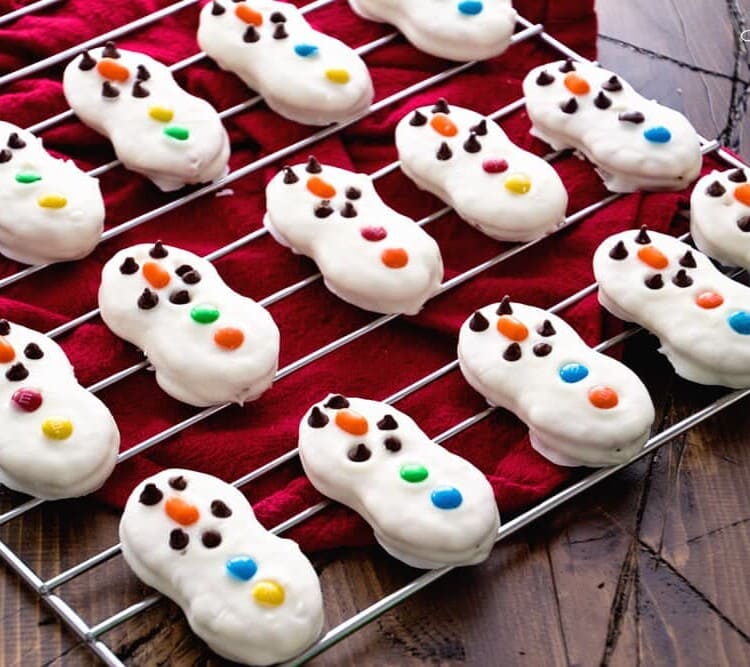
238 440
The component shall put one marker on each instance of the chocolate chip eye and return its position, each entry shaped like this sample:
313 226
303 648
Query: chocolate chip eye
158 251
546 329
289 176
191 277
388 423
313 166
178 539
359 453
151 495
17 373
441 106
129 266
393 444
4 327
178 483
220 509
183 269
505 308
687 260
33 351
643 238
211 539
353 193
478 322
418 119
337 402
619 251
317 418
277 17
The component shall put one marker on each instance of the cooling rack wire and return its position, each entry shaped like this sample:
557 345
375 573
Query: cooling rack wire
45 588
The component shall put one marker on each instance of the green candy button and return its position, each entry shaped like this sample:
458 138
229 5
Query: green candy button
28 177
413 473
177 132
204 314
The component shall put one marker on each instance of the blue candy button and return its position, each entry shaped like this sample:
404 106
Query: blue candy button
740 322
305 50
573 372
446 498
470 7
242 567
658 134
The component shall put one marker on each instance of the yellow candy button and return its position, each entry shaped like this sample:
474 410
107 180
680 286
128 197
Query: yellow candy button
337 75
162 114
57 428
268 593
52 201
518 184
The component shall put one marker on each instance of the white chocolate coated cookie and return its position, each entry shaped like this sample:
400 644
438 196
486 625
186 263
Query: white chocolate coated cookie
303 74
369 254
701 316
635 143
157 129
581 407
50 211
720 216
207 343
251 596
57 440
454 29
468 161
427 507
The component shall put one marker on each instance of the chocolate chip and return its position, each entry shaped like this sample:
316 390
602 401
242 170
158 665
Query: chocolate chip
359 453
280 32
313 166
178 539
682 279
178 483
505 308
217 9
478 322
687 260
542 349
5 155
444 153
472 145
353 193
441 106
612 85
388 423
643 238
142 73
317 418
546 329
180 297
4 327
220 509
151 495
148 299
337 402
277 17
744 223
139 90
87 62
738 176
324 209
348 211
290 178
545 79
571 106
129 266
716 189
480 129
183 269
110 50
211 539
512 352
251 35
15 142
619 251
16 373
191 277
418 119
601 101
108 90
392 444
567 66
33 351
655 281
158 251
631 117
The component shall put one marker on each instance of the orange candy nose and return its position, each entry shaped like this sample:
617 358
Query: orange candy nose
248 15
351 422
394 258
709 300
512 328
320 188
112 70
229 338
444 125
654 257
742 194
604 398
183 513
155 275
577 84
7 353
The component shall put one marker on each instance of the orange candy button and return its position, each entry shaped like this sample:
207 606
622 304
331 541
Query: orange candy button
351 422
248 15
112 70
183 513
320 188
444 125
229 338
742 194
603 397
709 300
654 257
7 353
155 275
512 328
394 258
577 84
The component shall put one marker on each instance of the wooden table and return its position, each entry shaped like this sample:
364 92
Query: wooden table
648 568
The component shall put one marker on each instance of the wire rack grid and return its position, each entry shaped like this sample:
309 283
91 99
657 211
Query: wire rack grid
92 634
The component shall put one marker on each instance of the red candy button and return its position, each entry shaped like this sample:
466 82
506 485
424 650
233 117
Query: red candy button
112 70
27 400
709 300
742 194
320 188
373 233
577 84
604 398
654 257
495 166
512 328
229 338
444 125
394 258
248 15
7 353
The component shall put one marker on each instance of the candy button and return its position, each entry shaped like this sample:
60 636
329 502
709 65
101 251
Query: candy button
177 132
248 15
112 70
229 338
52 201
7 353
512 328
446 498
57 428
742 194
27 177
518 184
28 400
576 84
373 233
180 511
340 76
653 257
351 422
740 322
470 7
443 125
242 568
394 258
413 473
204 314
495 166
268 593
709 300
306 50
658 135
155 275
604 398
574 372
162 114
321 188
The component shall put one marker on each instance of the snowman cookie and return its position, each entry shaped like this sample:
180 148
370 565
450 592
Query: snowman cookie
467 161
50 211
427 507
701 316
369 254
57 440
582 408
635 143
207 343
251 596
455 29
157 129
303 74
720 216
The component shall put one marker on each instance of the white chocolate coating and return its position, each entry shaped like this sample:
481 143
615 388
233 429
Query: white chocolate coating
440 27
50 211
137 126
303 74
406 520
485 197
192 569
719 222
625 158
704 344
31 460
353 267
565 425
190 364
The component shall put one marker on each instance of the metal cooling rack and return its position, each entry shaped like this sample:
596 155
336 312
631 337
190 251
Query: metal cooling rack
45 589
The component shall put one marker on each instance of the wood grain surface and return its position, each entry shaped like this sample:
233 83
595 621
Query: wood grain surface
649 568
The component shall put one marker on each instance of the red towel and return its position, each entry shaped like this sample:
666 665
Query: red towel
238 440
